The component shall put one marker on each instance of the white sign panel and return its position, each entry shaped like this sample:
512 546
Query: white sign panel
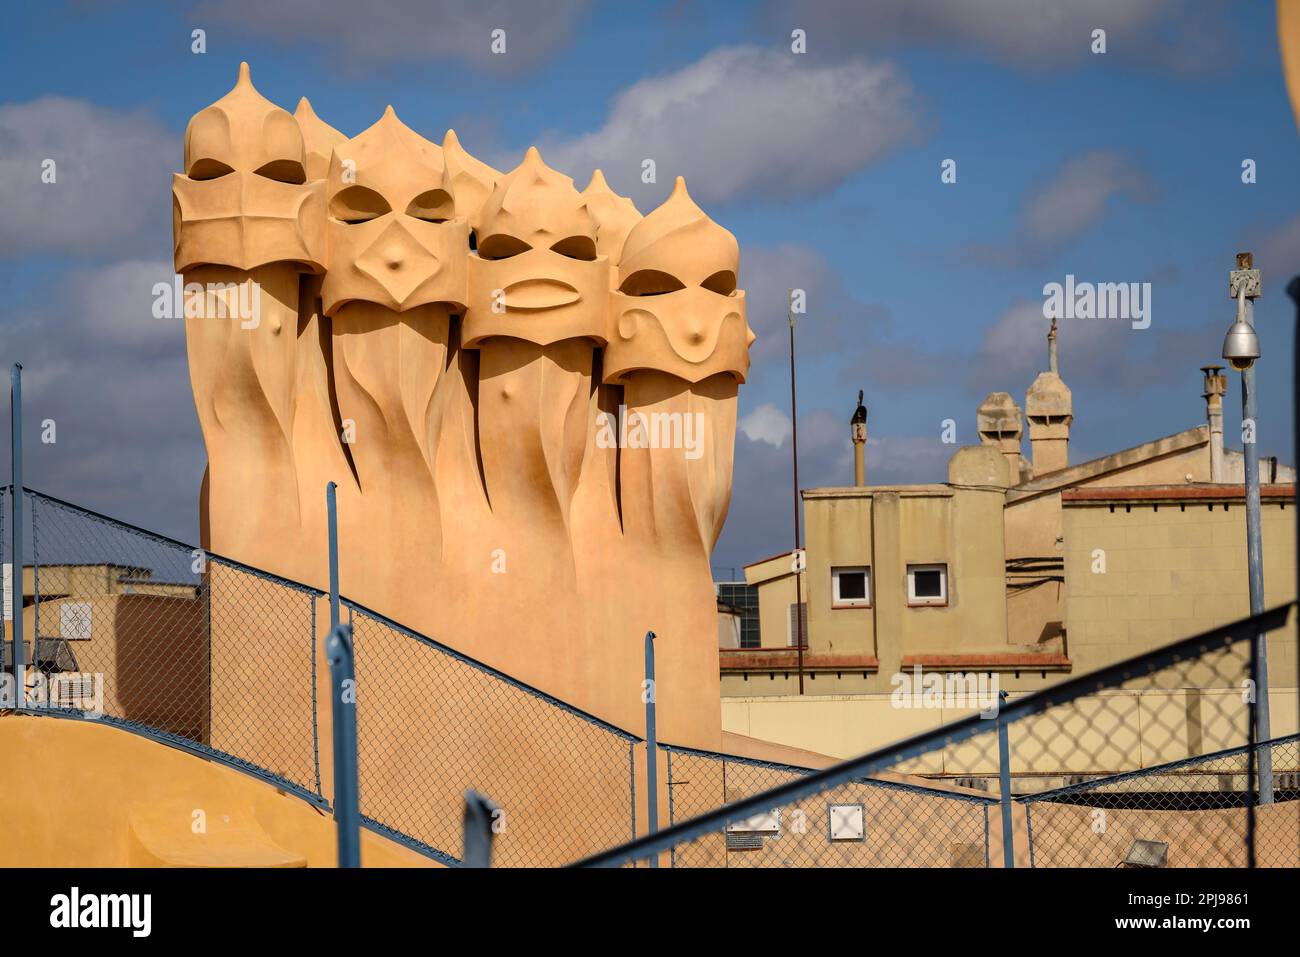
848 822
768 822
75 620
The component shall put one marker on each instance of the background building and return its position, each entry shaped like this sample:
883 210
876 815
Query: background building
1022 569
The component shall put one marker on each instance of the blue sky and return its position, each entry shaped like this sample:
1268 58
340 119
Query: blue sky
1115 167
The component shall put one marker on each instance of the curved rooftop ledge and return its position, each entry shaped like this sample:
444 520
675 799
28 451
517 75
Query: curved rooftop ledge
993 661
1115 462
867 491
1181 494
733 660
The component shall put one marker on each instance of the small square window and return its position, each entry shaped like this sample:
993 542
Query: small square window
851 587
927 584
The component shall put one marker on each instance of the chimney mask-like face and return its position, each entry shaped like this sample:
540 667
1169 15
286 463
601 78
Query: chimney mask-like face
393 238
243 200
677 309
536 274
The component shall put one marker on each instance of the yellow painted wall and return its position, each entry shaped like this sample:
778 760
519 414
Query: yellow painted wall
1114 731
839 533
888 529
1171 572
1034 527
776 593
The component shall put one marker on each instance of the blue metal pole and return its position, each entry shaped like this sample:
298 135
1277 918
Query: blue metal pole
1255 566
1293 290
16 556
332 508
343 698
651 743
1255 548
1004 781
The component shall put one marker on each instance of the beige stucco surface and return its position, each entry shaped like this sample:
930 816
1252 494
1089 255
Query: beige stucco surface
83 794
454 347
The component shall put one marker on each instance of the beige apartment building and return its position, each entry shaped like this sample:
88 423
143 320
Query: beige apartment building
1027 569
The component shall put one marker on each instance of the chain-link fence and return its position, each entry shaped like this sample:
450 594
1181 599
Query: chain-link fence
860 823
204 653
1148 762
142 631
435 723
1185 813
925 800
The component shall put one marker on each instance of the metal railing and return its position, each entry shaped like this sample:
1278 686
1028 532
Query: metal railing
562 778
864 822
204 653
1149 717
1193 811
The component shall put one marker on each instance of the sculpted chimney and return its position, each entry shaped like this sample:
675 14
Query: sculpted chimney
999 424
1050 410
1216 385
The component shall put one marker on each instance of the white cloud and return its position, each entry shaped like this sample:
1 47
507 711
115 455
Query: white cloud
112 179
1016 342
749 122
400 31
834 316
1093 351
116 382
1071 202
1075 199
767 424
760 520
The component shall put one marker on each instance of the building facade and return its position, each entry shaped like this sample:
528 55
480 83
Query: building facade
1019 570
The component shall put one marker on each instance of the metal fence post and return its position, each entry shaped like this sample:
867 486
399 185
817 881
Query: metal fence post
477 834
1004 780
332 510
651 744
16 557
343 698
1293 290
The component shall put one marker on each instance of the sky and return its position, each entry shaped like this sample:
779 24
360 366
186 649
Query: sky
827 164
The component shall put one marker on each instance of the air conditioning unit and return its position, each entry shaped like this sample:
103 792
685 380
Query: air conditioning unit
72 691
744 842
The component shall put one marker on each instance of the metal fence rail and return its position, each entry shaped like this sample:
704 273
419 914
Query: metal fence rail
153 634
206 654
203 653
1189 811
860 823
433 723
1189 697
